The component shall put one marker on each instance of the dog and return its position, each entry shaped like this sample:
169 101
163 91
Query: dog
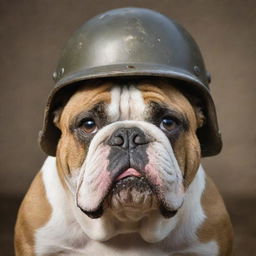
127 178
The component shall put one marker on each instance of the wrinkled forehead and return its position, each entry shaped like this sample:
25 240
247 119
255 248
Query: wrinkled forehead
127 100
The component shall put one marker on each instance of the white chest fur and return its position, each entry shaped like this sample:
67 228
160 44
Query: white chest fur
62 235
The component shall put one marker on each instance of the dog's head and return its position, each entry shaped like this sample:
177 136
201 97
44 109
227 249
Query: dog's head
128 149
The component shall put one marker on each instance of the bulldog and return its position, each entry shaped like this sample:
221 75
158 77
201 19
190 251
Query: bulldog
126 179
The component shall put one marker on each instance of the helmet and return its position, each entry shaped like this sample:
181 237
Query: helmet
132 42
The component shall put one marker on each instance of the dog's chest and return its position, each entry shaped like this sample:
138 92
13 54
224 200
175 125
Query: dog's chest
63 242
69 247
94 248
62 234
66 238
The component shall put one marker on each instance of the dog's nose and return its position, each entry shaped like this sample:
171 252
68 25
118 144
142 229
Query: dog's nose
128 138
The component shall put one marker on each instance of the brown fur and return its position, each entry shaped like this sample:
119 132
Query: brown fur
34 212
217 226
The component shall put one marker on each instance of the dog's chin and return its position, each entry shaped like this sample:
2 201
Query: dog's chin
131 199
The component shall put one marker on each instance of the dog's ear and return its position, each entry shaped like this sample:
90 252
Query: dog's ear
56 116
59 103
200 117
197 106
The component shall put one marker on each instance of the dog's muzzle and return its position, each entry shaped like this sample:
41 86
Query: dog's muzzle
131 166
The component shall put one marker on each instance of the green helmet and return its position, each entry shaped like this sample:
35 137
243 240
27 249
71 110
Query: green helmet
133 42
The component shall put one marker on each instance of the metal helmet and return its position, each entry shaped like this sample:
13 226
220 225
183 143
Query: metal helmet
133 42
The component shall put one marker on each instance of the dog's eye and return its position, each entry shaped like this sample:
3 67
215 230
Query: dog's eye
168 124
89 125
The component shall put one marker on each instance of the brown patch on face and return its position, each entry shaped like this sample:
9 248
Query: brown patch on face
70 152
186 148
34 213
217 226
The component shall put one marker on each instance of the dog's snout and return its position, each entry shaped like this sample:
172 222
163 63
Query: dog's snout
128 138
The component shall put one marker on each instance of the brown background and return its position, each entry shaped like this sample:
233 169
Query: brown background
32 35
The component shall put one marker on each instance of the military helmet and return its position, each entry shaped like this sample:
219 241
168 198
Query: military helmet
132 42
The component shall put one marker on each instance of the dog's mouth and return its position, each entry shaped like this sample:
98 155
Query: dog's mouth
129 180
132 191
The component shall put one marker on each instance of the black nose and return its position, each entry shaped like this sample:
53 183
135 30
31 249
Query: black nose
128 138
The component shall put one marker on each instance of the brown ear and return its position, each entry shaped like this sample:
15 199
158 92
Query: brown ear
56 116
200 117
59 105
197 106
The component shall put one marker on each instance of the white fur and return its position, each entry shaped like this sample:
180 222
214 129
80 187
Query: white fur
61 231
62 234
127 103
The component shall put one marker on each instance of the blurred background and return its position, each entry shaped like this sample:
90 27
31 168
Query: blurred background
32 34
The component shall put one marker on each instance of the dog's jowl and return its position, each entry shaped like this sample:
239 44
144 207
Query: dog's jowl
125 129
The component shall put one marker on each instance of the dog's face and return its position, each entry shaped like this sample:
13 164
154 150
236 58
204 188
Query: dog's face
128 151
